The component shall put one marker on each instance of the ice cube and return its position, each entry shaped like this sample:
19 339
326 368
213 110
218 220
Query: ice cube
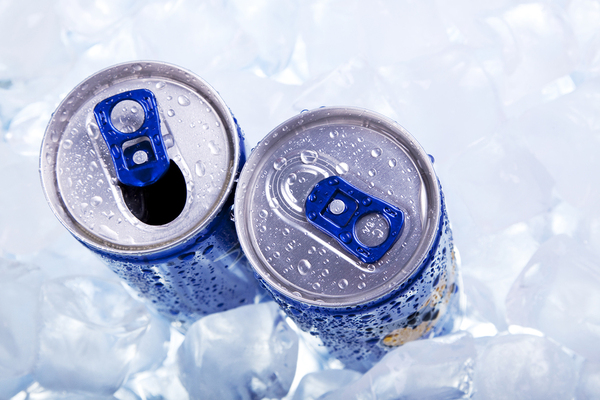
26 223
557 293
152 348
19 311
523 367
317 384
445 99
537 47
89 334
160 383
589 381
508 186
431 368
245 353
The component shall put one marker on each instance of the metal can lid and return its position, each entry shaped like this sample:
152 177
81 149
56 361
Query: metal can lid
198 133
372 157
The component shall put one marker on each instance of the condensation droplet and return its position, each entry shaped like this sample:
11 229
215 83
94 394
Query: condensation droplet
376 152
262 229
200 168
312 250
96 201
372 172
342 168
316 286
280 163
333 134
343 284
360 139
160 85
183 101
304 267
67 144
171 112
390 192
362 285
392 163
286 232
309 156
214 147
55 136
263 214
325 272
291 179
276 254
322 251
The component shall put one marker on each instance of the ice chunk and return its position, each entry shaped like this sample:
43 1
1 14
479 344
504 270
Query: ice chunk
38 392
523 367
26 129
537 47
445 100
209 28
386 32
350 84
508 185
256 19
89 334
432 368
245 353
26 222
562 136
19 310
317 384
92 20
557 293
482 317
152 348
37 26
589 381
161 383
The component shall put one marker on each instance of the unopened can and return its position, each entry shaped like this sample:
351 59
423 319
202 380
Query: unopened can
139 163
343 219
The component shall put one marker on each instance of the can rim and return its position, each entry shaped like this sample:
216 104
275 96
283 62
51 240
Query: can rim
385 125
47 164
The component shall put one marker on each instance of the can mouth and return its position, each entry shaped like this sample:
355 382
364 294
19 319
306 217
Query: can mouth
373 154
159 203
201 140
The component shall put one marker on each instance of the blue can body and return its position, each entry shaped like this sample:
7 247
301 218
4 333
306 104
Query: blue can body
343 219
425 305
139 163
208 274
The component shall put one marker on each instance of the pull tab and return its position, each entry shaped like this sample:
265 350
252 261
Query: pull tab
140 157
365 226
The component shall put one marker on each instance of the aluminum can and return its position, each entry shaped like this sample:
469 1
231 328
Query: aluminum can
343 219
139 163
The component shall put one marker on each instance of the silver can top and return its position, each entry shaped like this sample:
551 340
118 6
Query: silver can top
335 161
79 177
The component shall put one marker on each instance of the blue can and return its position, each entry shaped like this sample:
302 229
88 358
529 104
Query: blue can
343 219
139 163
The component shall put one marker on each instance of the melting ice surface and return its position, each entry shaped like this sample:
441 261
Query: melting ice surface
504 94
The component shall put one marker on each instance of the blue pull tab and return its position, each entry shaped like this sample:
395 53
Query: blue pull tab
336 207
140 157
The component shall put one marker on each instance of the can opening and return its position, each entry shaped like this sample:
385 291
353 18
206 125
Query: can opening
160 202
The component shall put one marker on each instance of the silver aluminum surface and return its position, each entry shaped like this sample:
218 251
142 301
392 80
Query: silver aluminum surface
78 174
372 153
